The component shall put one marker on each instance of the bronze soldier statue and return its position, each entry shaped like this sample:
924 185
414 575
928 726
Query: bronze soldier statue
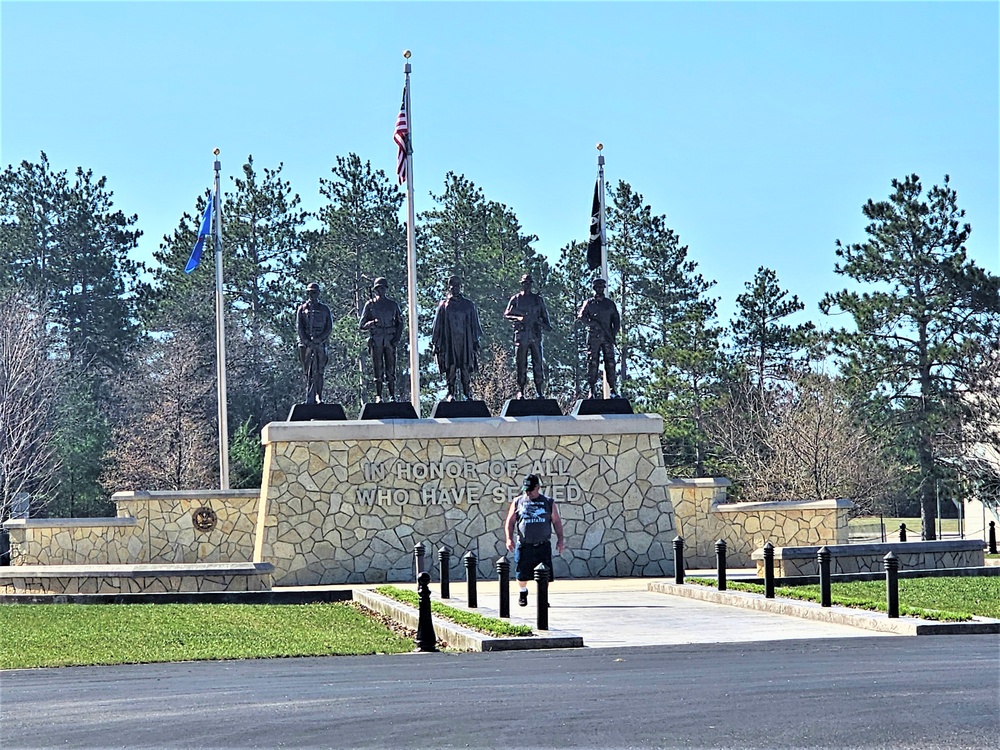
600 314
383 320
455 338
314 323
526 310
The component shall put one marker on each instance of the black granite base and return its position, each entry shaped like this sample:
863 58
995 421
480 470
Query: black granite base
531 407
460 410
307 412
589 406
388 410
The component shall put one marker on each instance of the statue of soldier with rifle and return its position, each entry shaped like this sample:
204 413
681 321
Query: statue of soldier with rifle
526 310
383 320
313 323
600 315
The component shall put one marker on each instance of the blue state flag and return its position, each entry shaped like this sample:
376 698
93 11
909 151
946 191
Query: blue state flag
206 230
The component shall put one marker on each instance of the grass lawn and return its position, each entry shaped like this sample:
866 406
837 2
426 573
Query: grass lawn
948 525
85 634
958 598
474 620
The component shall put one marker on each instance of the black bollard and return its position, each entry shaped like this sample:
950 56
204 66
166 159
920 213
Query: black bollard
902 532
418 560
678 560
542 585
993 537
470 577
720 558
426 639
823 556
444 560
891 563
503 577
768 571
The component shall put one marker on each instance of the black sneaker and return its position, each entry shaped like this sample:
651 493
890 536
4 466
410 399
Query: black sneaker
522 599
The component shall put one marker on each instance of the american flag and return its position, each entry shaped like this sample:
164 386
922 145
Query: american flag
401 137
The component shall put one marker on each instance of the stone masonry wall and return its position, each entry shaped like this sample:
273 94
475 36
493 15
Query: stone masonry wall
347 502
151 527
703 518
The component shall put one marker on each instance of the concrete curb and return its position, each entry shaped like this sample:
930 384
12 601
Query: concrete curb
460 637
876 621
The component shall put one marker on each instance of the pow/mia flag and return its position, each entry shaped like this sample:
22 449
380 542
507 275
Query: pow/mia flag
594 243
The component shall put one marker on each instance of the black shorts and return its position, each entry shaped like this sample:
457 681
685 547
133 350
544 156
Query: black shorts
528 556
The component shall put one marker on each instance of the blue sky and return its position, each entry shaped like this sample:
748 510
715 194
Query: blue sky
758 129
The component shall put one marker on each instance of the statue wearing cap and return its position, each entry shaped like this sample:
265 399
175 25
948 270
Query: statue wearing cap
313 323
383 320
526 311
601 317
455 338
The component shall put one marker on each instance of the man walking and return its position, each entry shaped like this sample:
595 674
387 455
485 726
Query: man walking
532 516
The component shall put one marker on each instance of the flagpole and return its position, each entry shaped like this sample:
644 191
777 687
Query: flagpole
411 249
604 234
220 336
604 243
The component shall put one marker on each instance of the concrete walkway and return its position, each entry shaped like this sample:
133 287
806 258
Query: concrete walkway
615 612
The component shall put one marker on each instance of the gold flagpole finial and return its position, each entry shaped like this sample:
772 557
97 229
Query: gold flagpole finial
406 54
216 151
600 146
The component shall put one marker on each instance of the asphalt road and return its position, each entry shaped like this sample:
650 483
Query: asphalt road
887 692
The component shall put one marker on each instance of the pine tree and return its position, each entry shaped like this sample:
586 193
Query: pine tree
923 308
762 343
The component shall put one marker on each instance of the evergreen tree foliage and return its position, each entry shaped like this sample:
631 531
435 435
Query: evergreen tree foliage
657 284
481 241
361 239
923 307
687 387
61 238
566 343
81 438
762 343
263 241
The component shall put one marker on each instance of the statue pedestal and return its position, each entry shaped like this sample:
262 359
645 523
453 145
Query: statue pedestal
389 410
347 502
460 410
531 407
308 412
590 406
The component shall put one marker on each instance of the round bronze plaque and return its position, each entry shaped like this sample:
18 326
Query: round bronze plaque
204 519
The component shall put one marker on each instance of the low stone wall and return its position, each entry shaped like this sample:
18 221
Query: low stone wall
864 558
134 579
151 527
166 526
346 502
704 517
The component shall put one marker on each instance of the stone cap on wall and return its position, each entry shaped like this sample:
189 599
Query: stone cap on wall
167 496
700 482
843 550
498 427
136 571
65 523
781 505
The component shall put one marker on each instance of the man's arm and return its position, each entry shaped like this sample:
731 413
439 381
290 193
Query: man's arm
557 525
508 525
